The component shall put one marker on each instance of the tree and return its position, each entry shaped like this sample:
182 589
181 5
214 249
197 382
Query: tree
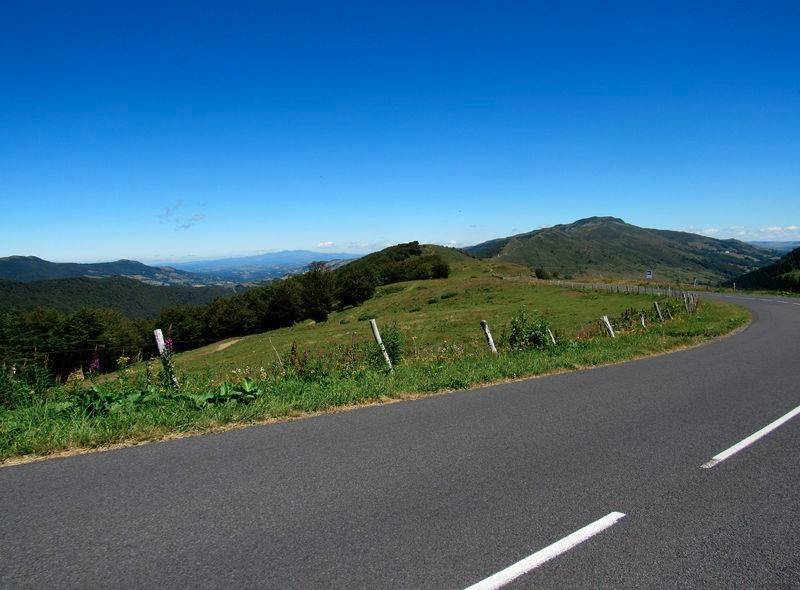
286 305
440 269
355 286
318 291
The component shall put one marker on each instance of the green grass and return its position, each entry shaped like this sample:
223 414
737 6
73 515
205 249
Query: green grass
431 364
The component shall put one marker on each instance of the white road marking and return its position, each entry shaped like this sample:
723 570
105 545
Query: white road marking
719 458
531 562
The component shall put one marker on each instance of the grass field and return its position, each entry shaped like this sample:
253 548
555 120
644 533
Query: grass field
444 350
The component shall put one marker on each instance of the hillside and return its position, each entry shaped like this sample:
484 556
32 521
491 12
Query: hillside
263 266
783 275
133 298
24 269
439 316
609 247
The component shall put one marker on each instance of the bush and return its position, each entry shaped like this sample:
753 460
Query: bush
541 274
528 331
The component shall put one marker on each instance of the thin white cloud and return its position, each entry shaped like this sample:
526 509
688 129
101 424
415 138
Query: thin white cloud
325 245
710 231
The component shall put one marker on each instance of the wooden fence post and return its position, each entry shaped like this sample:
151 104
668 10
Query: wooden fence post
643 324
489 338
608 326
377 335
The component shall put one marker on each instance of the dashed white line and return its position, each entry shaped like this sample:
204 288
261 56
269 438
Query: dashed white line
531 562
720 457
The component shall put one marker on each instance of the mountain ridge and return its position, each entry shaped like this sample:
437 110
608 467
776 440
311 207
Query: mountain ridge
268 265
608 246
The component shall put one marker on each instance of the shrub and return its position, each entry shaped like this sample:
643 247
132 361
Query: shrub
541 274
528 331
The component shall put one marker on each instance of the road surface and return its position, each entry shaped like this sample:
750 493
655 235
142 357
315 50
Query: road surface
448 491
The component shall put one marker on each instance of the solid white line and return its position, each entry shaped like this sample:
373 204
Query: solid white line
531 562
719 458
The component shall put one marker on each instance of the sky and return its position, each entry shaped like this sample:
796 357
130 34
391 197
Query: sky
186 130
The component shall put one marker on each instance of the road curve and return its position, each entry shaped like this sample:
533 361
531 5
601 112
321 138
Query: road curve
446 491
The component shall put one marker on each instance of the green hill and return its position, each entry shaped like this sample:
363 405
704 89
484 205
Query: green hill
131 297
783 275
609 247
24 269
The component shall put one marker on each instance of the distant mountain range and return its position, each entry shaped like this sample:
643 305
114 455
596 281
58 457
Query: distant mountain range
25 269
609 247
783 275
263 266
779 247
130 296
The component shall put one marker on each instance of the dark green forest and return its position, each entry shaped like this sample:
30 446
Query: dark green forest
133 298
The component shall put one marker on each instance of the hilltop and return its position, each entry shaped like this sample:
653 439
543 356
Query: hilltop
133 298
25 269
610 247
783 275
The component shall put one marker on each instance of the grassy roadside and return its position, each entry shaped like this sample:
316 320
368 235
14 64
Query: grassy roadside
52 426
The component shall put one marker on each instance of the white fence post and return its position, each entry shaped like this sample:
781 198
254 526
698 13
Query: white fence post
376 333
552 338
489 338
658 309
160 345
608 326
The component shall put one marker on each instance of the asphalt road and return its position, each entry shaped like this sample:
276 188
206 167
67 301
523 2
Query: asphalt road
445 491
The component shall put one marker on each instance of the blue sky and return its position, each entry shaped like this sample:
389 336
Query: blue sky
168 131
